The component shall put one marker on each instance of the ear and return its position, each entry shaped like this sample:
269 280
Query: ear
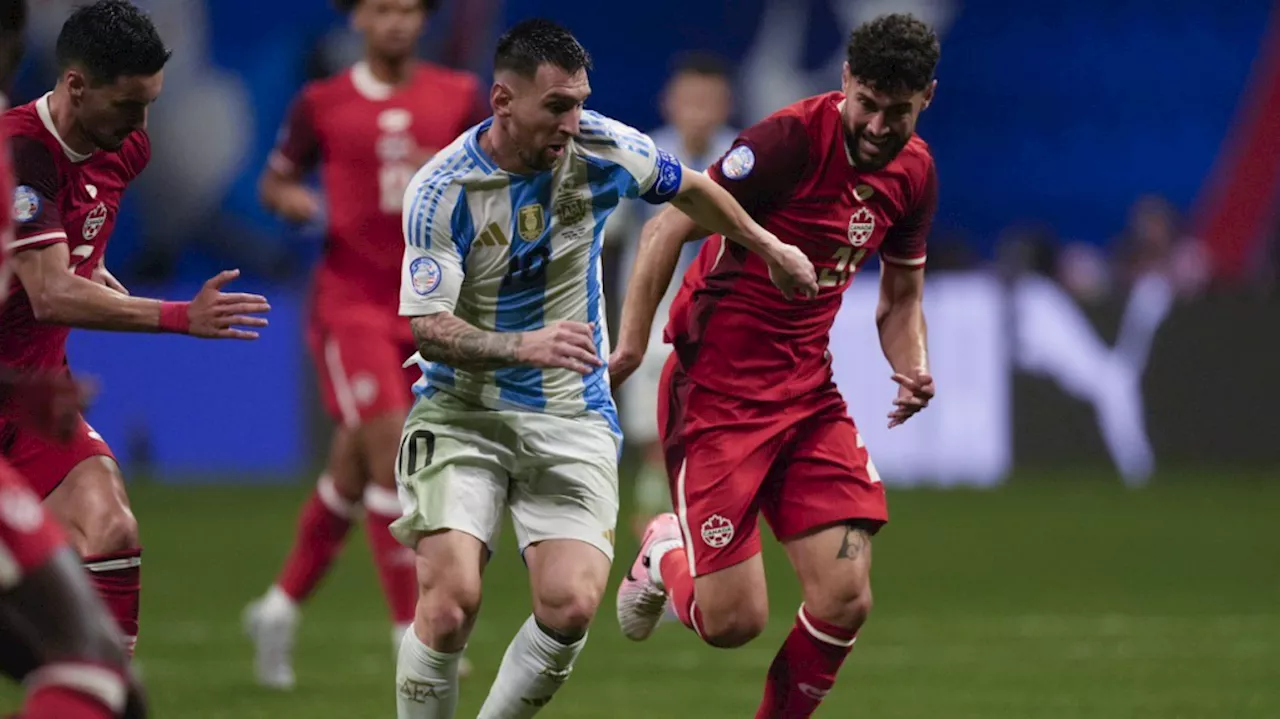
76 83
500 97
846 79
928 93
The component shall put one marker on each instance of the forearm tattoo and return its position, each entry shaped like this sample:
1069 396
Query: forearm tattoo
445 338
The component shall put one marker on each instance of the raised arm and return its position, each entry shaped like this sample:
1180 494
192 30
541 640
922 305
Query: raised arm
43 264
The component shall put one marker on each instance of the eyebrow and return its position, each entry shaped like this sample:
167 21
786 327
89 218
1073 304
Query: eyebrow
554 96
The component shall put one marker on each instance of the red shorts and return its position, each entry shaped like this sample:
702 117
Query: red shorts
45 462
801 463
28 535
360 369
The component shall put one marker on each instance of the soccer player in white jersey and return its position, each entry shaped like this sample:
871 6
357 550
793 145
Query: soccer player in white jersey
503 232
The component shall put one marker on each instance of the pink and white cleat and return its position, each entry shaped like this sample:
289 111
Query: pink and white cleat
642 602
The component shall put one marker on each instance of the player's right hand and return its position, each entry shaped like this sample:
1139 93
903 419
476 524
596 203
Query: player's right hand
215 314
792 271
298 205
623 363
562 345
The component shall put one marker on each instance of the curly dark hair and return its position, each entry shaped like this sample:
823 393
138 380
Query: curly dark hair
894 53
531 43
111 39
346 6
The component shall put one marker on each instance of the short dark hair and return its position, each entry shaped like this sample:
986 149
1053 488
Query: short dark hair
533 43
13 15
894 53
700 63
346 6
111 39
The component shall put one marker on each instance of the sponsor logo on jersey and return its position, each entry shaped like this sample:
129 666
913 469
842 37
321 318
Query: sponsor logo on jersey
424 275
738 163
94 221
717 531
26 204
532 222
92 190
862 224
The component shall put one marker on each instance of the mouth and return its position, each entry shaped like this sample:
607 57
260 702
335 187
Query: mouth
556 149
872 146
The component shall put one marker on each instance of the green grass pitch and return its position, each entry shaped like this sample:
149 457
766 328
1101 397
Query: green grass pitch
1062 596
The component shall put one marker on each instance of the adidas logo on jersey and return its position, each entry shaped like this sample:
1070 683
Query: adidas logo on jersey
491 237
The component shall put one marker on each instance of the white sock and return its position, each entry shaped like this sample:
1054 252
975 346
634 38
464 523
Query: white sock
426 681
656 553
533 668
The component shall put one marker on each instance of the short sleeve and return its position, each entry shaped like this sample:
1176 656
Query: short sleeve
38 222
639 168
438 234
905 243
765 163
297 145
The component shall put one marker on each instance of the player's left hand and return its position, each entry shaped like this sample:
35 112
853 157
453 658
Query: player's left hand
103 277
792 272
915 389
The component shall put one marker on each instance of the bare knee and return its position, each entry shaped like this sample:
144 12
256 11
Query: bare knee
733 624
449 595
92 504
568 606
845 604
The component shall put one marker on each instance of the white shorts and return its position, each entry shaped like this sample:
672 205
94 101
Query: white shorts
639 396
461 467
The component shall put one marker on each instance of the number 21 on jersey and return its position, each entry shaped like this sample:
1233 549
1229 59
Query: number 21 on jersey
846 259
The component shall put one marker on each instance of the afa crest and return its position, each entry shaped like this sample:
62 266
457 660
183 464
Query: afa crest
570 209
531 222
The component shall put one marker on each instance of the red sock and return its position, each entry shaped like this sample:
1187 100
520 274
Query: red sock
805 668
395 562
74 691
322 527
679 584
118 579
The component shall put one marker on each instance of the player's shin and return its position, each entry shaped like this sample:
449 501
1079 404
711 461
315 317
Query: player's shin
538 661
426 680
394 561
322 528
805 668
117 577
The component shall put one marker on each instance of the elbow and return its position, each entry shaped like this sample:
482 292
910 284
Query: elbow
47 304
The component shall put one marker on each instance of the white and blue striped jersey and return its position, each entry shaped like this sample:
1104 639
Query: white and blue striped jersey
511 253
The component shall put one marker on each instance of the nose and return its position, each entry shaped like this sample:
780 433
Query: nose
876 126
569 122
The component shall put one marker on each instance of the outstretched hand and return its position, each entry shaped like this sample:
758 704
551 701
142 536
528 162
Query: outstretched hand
915 389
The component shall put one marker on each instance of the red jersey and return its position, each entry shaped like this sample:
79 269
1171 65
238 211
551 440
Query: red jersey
733 331
59 196
368 140
6 213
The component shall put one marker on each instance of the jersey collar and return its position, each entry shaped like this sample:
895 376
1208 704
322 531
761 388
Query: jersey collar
370 87
46 117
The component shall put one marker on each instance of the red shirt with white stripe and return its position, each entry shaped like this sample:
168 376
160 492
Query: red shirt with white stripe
733 331
59 196
367 139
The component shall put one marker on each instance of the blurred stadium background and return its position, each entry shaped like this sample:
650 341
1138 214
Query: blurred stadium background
1104 324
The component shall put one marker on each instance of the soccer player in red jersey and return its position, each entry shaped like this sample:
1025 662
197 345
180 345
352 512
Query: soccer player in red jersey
75 150
55 634
751 420
367 131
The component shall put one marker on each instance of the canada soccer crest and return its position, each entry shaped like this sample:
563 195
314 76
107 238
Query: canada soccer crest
94 221
862 224
717 531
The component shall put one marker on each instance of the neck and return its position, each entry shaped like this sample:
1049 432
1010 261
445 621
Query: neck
64 122
391 71
499 145
697 146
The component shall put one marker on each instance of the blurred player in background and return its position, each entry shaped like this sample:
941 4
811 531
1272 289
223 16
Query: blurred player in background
503 233
367 130
750 418
55 633
696 104
75 150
